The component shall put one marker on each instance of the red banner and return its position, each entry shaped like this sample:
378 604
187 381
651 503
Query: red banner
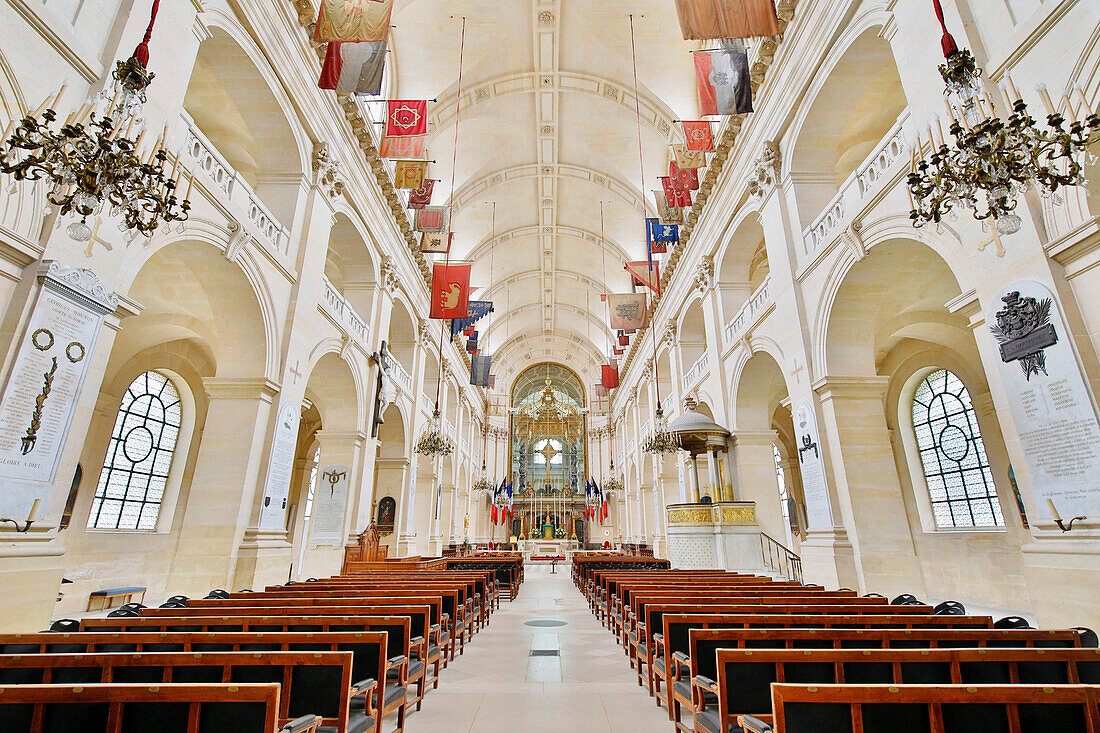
674 194
684 178
451 291
353 68
723 79
407 146
406 117
698 135
610 376
421 197
643 274
353 20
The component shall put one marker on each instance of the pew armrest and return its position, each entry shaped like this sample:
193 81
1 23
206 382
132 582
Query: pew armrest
417 640
659 639
303 724
681 660
705 683
752 724
364 686
397 661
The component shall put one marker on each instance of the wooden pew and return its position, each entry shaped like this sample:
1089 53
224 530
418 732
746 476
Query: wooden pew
399 639
104 708
312 683
368 650
740 680
675 629
931 709
422 653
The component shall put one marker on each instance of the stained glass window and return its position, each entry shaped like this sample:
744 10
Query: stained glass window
952 454
139 457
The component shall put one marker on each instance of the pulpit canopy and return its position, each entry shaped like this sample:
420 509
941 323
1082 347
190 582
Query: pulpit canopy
696 432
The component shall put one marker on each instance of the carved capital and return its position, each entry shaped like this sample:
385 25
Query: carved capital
391 280
326 171
765 173
670 333
704 274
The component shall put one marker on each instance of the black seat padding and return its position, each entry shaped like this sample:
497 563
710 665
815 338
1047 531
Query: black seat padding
683 689
708 721
357 723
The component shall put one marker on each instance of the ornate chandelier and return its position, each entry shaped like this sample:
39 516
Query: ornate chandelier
433 443
483 483
662 441
994 159
90 161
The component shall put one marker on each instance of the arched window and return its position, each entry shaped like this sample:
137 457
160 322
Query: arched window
135 472
555 452
956 468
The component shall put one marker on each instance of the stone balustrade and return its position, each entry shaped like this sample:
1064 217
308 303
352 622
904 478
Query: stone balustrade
749 313
344 314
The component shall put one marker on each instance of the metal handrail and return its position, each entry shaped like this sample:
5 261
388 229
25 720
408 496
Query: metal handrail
780 559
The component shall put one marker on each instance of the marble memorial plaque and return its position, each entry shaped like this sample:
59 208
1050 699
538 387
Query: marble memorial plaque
1051 405
330 498
43 387
819 513
277 486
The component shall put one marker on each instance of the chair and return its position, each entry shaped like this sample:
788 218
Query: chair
123 613
178 599
65 625
949 608
216 594
905 599
1011 622
1088 637
133 606
873 595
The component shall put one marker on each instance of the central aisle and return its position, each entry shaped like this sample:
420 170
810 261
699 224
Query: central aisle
497 685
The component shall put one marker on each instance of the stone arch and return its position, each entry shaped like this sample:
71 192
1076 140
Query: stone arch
237 102
691 333
849 114
740 270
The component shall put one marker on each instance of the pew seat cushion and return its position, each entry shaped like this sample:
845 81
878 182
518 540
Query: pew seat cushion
708 720
416 667
682 688
358 722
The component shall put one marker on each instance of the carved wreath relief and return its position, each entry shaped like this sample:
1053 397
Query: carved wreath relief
43 340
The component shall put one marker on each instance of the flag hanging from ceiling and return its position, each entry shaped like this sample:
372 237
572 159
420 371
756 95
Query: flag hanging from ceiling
609 376
409 173
471 344
599 389
479 370
688 159
704 19
628 310
478 310
450 290
683 177
667 214
406 146
675 194
431 219
492 381
658 235
353 20
645 273
354 68
617 351
624 340
698 135
406 117
421 197
435 243
723 80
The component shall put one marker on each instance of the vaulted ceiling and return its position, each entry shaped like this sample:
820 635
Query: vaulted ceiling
548 137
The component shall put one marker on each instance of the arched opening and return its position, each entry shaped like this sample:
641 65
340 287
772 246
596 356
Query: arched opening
240 133
744 266
692 337
855 108
391 468
349 266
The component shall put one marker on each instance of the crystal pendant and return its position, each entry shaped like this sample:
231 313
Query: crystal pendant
79 231
1008 224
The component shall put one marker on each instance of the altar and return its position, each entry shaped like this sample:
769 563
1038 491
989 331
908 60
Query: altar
545 549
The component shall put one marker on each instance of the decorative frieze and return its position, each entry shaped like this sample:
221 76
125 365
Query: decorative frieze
326 171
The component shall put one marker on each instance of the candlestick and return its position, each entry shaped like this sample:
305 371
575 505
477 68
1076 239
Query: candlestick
1053 511
33 516
1044 97
1013 94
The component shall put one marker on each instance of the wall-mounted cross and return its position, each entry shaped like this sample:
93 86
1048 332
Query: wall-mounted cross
548 452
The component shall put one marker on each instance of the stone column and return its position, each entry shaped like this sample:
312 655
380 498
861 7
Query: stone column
867 486
219 506
695 486
755 460
338 448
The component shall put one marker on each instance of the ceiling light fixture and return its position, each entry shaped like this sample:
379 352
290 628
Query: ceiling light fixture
993 159
91 161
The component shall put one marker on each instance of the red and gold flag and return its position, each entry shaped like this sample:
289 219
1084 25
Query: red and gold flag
675 195
406 117
353 20
406 146
688 159
409 173
698 135
422 196
684 178
704 19
451 290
